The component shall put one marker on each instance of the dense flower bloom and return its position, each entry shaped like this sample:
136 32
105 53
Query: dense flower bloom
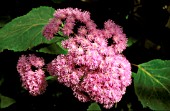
52 28
70 16
103 77
34 81
94 68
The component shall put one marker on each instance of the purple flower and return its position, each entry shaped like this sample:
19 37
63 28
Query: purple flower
32 80
101 74
51 28
70 16
93 68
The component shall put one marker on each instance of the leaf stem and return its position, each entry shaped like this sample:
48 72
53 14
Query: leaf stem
135 65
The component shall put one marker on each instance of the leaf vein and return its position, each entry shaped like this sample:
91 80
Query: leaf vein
156 80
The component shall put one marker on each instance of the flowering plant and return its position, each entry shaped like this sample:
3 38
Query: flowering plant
88 60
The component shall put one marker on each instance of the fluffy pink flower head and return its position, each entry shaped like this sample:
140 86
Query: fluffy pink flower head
94 68
108 84
52 28
69 16
33 81
93 74
111 30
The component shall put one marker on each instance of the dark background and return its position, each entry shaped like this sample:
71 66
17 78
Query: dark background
143 20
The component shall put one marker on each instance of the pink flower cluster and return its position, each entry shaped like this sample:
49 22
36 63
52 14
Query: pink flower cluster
94 69
32 80
70 16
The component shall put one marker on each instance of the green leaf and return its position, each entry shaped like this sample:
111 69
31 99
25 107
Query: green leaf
94 107
6 101
133 74
50 78
131 41
25 32
54 48
152 84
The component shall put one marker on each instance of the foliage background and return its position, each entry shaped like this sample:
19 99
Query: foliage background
145 21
